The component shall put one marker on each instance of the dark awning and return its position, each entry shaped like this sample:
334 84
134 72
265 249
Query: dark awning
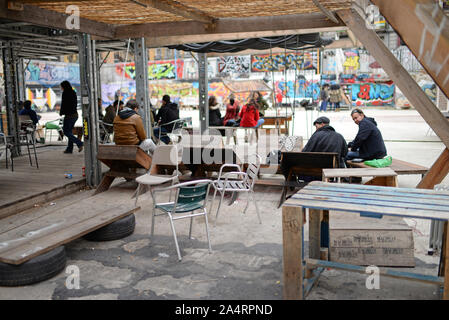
290 42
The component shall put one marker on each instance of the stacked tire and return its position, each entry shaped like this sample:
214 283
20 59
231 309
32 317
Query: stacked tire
35 270
114 231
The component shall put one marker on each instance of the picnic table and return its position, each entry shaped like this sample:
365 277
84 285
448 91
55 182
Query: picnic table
366 199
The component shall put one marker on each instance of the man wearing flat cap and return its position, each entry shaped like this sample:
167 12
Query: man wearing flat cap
326 139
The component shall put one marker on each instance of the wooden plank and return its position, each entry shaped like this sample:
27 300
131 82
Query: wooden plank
393 199
408 86
347 238
61 219
382 272
292 242
446 264
437 172
358 172
423 26
32 198
314 233
48 242
398 166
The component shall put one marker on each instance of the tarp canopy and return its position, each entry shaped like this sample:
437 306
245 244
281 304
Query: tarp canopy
289 42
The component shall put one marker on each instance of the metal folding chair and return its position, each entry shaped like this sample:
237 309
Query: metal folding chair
238 181
190 197
163 155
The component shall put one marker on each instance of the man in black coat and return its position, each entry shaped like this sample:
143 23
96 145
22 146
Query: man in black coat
167 113
368 144
326 139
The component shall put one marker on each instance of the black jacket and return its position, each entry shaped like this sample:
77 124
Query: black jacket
166 114
369 141
68 103
215 117
326 139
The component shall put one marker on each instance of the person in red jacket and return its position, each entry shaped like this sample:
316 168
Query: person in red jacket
250 115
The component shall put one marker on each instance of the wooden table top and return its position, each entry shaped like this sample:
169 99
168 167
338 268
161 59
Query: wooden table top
403 202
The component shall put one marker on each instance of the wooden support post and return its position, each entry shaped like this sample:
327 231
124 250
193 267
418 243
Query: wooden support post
446 263
437 172
424 27
412 91
292 244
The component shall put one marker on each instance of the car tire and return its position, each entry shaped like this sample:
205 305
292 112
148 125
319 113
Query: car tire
40 268
116 230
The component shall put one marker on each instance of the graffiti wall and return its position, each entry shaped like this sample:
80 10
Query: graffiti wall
307 60
48 74
301 89
157 70
372 94
191 69
427 85
234 65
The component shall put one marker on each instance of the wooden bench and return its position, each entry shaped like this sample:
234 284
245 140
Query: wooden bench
281 123
25 236
122 161
398 166
304 164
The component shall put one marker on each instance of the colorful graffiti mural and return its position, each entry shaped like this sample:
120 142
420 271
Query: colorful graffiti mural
51 73
157 70
372 94
301 89
233 65
307 60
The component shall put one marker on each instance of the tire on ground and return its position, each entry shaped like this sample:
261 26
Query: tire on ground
40 268
116 230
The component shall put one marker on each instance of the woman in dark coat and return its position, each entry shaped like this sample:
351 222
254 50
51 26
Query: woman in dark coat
68 110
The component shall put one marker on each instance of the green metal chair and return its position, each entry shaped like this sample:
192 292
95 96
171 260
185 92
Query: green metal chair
190 197
53 125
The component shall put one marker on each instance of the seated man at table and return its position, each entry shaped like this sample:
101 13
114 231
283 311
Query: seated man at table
324 139
129 129
167 113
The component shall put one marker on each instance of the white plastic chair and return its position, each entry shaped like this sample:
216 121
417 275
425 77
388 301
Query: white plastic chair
190 197
163 155
238 181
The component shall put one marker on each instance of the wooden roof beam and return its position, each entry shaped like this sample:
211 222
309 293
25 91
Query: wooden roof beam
327 12
314 22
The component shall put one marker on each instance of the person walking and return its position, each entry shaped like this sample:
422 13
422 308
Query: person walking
324 94
335 95
69 105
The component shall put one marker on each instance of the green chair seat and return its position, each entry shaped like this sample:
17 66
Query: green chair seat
180 208
51 126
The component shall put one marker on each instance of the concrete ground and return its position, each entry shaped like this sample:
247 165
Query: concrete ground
246 262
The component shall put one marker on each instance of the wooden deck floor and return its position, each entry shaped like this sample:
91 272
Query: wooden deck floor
26 185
